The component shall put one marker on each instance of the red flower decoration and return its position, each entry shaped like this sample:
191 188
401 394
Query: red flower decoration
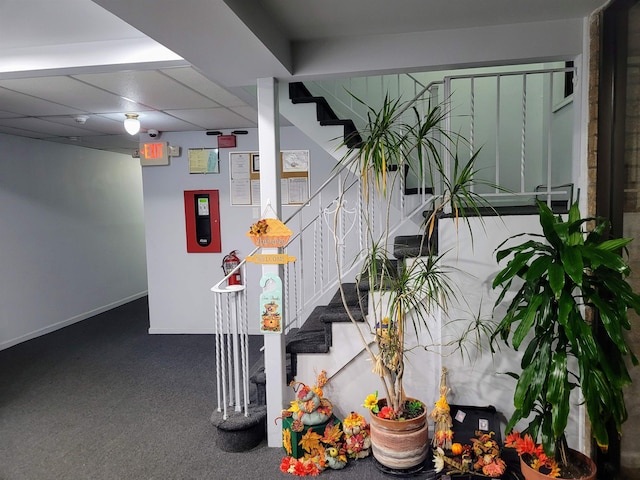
299 469
386 412
286 464
536 458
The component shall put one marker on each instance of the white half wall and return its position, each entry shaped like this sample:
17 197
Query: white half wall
71 235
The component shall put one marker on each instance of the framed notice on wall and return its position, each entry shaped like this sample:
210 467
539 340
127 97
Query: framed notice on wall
244 170
204 160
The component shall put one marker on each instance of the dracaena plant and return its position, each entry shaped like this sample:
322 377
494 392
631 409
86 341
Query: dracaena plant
566 279
399 137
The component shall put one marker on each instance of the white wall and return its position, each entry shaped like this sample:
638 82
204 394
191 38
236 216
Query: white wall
180 300
71 235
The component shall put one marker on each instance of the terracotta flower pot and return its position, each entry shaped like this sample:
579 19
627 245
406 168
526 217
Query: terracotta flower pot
399 444
530 474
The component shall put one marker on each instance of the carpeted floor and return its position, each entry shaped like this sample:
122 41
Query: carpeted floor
104 400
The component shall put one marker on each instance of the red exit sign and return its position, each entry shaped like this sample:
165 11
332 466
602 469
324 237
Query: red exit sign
156 153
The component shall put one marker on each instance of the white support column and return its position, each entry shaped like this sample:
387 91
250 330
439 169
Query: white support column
274 345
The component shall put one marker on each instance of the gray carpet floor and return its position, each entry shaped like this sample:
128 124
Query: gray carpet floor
104 400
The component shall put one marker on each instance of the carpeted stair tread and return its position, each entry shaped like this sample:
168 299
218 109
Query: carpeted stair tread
338 314
354 295
312 336
309 342
409 246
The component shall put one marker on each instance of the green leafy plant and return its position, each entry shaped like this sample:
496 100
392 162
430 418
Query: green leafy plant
565 278
414 408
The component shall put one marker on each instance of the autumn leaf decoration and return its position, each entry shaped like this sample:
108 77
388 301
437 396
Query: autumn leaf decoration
310 441
332 434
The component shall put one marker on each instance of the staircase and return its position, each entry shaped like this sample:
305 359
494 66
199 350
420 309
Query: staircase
319 330
316 335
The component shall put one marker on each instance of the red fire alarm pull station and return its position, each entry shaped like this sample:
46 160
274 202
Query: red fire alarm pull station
226 141
202 220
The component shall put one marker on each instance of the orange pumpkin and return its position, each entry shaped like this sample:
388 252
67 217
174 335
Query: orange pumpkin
456 449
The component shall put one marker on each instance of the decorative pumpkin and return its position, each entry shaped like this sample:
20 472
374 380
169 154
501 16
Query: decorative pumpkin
456 449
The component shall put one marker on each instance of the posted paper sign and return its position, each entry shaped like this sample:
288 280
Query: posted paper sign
271 304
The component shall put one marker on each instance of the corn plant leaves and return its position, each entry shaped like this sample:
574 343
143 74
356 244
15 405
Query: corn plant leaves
561 279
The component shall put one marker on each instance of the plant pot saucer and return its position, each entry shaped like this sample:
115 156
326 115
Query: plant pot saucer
425 470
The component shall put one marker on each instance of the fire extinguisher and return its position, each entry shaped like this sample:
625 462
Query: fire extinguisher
230 262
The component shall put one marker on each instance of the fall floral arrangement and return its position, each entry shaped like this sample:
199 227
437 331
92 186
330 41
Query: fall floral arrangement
533 454
314 439
321 451
379 408
310 407
481 456
357 442
259 228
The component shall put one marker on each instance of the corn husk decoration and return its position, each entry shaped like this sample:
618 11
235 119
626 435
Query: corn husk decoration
441 415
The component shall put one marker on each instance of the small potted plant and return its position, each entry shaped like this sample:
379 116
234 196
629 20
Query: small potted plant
566 278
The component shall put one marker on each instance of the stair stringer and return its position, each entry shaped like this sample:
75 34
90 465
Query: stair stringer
303 116
346 345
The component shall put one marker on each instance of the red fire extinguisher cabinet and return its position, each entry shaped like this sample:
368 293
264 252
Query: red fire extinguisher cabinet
202 221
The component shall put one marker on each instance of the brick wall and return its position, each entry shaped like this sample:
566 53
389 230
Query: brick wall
632 141
592 129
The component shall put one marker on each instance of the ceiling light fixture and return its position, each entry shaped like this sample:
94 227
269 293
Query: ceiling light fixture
81 119
131 123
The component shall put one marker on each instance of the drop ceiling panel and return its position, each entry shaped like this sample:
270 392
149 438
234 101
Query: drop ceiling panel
111 143
22 104
247 112
9 130
159 120
149 88
193 79
95 124
7 114
46 128
213 118
70 92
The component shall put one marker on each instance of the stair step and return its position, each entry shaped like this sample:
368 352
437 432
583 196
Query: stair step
312 336
338 314
354 295
363 279
411 246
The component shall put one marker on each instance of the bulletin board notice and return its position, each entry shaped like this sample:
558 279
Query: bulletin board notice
204 160
244 170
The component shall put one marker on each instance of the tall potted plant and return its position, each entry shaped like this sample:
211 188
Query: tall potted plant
564 278
399 138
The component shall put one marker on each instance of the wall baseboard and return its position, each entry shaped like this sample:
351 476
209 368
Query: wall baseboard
71 321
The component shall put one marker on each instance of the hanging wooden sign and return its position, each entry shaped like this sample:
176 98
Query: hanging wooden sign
271 304
271 259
